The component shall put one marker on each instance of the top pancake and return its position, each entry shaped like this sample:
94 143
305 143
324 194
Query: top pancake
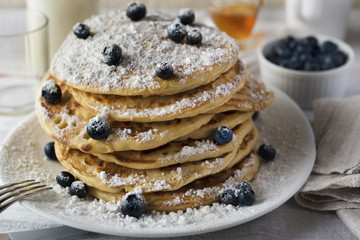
144 44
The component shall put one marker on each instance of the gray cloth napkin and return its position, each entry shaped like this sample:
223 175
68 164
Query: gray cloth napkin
334 184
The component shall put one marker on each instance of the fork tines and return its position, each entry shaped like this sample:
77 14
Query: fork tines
9 193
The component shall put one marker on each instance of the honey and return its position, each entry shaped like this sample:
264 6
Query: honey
236 19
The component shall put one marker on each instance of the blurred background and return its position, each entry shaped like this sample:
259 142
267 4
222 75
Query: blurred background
157 4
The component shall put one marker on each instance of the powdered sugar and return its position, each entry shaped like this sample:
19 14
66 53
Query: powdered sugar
201 147
78 185
185 104
117 181
50 86
101 117
144 43
72 123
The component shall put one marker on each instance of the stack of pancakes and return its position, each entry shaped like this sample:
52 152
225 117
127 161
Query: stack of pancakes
161 138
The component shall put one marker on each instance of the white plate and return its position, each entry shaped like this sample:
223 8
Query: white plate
283 125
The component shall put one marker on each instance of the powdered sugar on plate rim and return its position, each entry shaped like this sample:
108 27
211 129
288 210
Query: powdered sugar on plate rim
282 124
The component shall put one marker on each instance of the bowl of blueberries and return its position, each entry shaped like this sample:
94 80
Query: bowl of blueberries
306 67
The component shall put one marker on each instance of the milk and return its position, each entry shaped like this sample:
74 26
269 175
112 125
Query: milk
63 14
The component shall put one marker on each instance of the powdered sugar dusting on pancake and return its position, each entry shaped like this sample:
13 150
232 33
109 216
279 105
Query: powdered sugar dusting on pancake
144 43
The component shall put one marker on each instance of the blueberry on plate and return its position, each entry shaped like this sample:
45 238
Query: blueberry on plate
98 128
135 11
49 150
223 135
241 185
193 37
51 92
133 205
176 32
186 16
81 30
164 70
228 197
79 189
65 179
267 152
245 194
112 54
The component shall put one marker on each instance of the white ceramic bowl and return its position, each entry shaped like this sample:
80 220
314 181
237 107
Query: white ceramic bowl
305 86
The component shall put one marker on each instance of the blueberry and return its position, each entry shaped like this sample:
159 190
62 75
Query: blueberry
301 47
329 46
164 70
65 179
98 128
282 51
312 41
290 42
267 152
289 39
272 58
228 197
135 11
326 62
311 66
186 16
112 54
339 58
50 150
51 92
79 189
295 62
223 135
255 116
245 194
303 57
193 37
176 32
241 185
81 30
133 205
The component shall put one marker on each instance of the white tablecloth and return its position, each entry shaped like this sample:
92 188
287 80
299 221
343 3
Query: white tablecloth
289 221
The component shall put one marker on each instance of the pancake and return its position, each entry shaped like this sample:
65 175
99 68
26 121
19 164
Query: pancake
177 152
252 97
113 178
144 44
66 123
200 192
229 119
162 108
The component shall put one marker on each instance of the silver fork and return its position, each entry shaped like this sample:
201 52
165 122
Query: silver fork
12 192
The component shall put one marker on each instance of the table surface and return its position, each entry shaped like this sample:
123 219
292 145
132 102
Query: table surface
289 221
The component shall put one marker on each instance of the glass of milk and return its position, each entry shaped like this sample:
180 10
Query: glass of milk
63 14
23 58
